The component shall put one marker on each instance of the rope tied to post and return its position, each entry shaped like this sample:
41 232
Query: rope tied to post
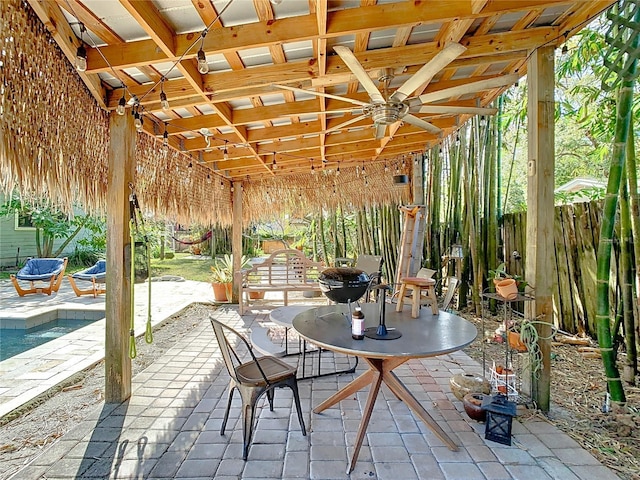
137 229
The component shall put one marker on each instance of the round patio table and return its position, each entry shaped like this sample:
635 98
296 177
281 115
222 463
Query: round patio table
426 336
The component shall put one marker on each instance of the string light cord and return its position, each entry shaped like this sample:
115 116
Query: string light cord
565 34
138 100
200 38
115 73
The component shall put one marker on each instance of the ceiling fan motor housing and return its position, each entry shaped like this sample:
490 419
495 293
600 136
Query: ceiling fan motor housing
387 113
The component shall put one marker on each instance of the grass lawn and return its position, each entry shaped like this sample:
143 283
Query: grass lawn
181 265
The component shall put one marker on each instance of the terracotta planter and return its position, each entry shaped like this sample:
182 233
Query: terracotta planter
472 403
515 343
220 291
507 288
256 295
461 384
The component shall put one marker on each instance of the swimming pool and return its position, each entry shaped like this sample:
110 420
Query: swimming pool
16 340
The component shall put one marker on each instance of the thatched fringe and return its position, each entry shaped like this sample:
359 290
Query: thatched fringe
53 136
172 186
270 198
54 142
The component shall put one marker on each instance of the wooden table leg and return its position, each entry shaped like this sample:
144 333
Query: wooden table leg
401 391
376 380
353 387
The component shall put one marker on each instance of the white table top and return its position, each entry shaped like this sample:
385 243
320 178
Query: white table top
426 336
284 315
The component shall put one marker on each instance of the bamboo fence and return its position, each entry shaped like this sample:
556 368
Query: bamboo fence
576 243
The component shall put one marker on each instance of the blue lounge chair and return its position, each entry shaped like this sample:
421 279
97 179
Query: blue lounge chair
43 274
97 275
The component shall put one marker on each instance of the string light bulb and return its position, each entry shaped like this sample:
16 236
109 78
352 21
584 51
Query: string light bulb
225 152
274 165
338 171
137 121
81 53
165 138
122 103
203 66
164 103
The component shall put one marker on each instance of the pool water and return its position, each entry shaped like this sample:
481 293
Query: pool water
15 341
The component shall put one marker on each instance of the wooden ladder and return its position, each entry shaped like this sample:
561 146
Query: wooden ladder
411 243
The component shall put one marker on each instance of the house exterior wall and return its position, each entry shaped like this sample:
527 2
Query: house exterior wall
19 243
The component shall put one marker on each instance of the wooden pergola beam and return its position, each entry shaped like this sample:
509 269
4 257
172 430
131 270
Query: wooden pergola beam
540 218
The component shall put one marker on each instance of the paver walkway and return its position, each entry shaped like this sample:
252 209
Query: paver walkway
29 374
169 428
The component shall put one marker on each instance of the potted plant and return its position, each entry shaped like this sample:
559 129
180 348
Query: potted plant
500 276
222 276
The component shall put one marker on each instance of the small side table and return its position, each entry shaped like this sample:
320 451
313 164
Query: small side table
417 285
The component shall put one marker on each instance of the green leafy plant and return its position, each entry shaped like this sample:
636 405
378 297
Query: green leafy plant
500 273
222 268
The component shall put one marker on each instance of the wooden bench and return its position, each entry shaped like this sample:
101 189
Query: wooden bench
283 271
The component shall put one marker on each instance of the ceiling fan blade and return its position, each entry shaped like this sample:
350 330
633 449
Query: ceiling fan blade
443 58
345 124
358 70
322 94
437 109
418 122
381 128
468 88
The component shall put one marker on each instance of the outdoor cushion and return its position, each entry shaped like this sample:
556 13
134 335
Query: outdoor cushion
97 272
40 269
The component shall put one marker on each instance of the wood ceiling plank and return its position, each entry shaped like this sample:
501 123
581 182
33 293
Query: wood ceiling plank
149 18
305 27
91 21
569 25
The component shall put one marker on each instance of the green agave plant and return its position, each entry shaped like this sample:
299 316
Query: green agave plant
222 268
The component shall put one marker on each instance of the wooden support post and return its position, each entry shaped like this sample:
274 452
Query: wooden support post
540 207
418 180
118 298
236 236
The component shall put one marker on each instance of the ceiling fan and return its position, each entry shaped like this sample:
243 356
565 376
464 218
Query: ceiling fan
385 109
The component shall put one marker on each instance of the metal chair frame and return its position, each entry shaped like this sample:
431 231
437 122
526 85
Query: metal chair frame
252 379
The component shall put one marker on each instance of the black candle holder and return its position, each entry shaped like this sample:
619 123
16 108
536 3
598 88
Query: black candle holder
381 332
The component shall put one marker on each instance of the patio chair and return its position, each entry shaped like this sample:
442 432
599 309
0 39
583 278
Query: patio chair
96 274
43 274
252 379
372 266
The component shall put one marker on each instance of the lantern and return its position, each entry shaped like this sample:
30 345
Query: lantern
500 413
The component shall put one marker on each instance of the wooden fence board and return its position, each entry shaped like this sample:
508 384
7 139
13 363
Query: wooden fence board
563 300
576 233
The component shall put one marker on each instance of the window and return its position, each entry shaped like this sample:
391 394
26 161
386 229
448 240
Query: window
23 221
